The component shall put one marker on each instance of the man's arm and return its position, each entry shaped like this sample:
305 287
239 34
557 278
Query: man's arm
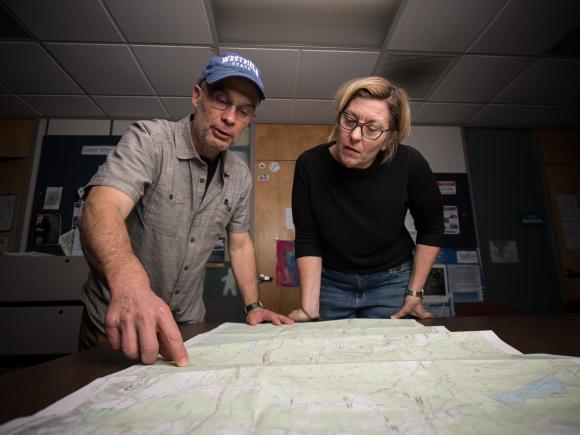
137 320
424 258
243 258
310 271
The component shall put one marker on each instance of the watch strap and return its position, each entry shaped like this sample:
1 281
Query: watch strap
252 306
417 293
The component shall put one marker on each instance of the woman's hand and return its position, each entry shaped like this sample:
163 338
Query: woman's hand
301 315
413 306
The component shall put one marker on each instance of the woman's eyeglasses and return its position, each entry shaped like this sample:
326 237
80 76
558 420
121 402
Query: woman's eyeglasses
368 130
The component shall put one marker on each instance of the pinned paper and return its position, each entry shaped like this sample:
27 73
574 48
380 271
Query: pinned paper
288 219
447 187
451 217
503 251
52 198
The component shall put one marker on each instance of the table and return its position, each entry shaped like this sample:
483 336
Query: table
31 389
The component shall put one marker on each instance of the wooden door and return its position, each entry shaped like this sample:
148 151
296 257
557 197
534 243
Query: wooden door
561 156
277 148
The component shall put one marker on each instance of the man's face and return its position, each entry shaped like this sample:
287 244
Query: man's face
224 111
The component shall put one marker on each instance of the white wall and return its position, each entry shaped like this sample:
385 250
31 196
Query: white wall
441 146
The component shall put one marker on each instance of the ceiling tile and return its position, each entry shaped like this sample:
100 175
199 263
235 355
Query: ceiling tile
164 22
529 27
569 45
32 70
278 69
275 111
178 107
415 107
10 29
416 74
502 115
556 116
313 112
305 50
315 81
569 98
305 22
442 25
542 82
131 107
479 78
102 69
186 63
445 113
71 106
65 20
13 107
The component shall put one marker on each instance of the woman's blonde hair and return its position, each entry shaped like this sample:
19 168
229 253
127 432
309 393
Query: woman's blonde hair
380 89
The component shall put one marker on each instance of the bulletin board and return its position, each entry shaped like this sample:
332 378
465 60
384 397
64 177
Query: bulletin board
66 163
458 213
457 270
459 255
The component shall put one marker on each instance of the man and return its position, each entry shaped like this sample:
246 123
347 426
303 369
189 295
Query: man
155 211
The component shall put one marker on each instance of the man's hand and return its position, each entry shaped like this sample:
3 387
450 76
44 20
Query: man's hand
261 315
299 315
414 307
141 325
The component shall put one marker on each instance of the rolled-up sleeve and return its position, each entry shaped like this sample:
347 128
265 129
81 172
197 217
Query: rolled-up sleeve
307 241
131 166
240 221
425 202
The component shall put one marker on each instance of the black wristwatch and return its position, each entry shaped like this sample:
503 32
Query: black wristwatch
250 307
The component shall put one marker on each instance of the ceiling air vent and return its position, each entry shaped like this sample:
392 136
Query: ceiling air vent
416 74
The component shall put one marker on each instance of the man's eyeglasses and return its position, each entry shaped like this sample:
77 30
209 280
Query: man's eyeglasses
368 129
220 101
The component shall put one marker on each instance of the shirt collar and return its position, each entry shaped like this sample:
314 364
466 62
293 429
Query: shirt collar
185 149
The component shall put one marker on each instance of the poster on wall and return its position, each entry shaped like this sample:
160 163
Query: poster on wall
503 251
52 198
451 218
467 257
447 187
286 269
464 278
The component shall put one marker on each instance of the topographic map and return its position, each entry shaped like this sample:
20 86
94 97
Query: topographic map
338 377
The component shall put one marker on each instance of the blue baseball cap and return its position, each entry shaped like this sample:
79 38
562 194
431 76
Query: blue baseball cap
232 65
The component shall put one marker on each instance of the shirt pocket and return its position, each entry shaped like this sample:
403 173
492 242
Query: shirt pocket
221 216
164 211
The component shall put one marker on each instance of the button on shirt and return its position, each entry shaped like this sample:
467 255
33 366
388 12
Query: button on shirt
173 226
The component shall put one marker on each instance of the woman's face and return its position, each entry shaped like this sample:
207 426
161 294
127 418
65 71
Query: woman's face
354 150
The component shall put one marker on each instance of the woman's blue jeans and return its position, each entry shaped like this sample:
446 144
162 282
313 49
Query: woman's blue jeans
372 295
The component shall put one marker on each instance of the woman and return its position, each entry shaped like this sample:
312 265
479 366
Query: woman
349 200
